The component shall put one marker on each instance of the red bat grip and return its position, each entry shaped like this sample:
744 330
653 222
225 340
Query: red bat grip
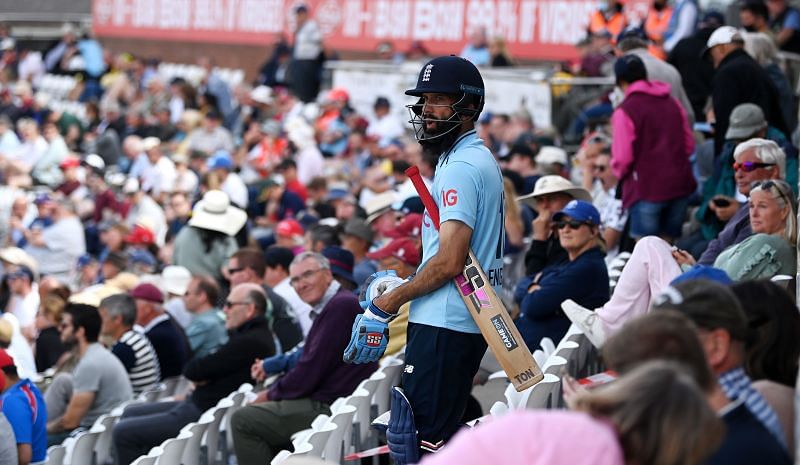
424 195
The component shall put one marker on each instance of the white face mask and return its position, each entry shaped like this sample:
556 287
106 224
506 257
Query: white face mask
616 96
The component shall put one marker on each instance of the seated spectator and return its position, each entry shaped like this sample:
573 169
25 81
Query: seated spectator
248 266
212 136
164 333
114 264
23 405
58 247
221 163
320 236
668 335
215 376
24 299
132 348
522 160
401 256
175 282
8 448
540 296
341 261
99 381
206 330
277 261
48 346
722 329
637 419
12 340
550 195
654 264
319 376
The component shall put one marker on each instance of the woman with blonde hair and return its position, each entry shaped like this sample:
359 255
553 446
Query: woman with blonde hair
498 51
654 415
49 347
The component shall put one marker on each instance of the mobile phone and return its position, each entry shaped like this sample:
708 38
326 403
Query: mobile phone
721 202
598 379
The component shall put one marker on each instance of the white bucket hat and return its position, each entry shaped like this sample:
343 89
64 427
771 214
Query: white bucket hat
175 279
553 184
215 213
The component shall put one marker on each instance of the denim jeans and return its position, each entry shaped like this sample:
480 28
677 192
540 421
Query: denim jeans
658 218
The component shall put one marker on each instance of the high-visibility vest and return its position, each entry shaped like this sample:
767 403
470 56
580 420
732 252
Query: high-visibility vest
655 26
615 24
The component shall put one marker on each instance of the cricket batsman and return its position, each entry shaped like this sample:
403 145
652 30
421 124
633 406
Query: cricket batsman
445 346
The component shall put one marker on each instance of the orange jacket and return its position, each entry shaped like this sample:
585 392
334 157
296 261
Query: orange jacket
615 24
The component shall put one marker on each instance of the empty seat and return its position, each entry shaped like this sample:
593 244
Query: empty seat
343 419
172 449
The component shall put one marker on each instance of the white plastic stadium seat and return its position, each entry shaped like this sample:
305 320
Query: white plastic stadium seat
172 449
212 433
103 445
191 452
362 432
55 455
83 448
548 346
343 419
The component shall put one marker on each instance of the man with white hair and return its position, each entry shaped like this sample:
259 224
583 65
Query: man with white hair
133 152
755 160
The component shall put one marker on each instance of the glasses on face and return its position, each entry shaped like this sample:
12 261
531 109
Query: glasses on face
234 270
573 224
599 168
303 277
62 326
231 304
748 166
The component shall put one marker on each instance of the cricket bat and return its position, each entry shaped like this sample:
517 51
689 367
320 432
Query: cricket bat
486 308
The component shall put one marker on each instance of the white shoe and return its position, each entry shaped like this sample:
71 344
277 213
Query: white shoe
587 320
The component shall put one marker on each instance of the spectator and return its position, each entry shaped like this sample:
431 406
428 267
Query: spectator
45 170
754 16
211 137
145 210
654 264
477 49
307 57
278 202
132 348
321 236
12 340
498 51
341 262
287 169
166 336
762 48
604 194
8 449
175 282
784 21
521 160
215 376
22 404
48 347
623 424
681 24
652 166
221 164
539 296
655 26
318 377
24 299
609 18
58 247
248 266
159 175
307 154
357 237
738 79
206 331
550 195
99 381
277 260
668 335
211 229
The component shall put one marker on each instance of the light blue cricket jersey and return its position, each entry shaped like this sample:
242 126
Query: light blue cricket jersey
467 187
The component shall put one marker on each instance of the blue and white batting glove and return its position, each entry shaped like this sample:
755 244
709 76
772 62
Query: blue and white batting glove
377 284
402 432
369 337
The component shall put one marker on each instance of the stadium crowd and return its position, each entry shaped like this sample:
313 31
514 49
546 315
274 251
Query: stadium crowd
223 234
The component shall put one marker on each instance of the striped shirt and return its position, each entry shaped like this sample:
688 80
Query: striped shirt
140 360
737 386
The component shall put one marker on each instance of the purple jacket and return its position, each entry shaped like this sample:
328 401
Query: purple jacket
320 374
652 144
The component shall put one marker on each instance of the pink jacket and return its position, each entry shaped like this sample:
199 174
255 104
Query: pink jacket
534 437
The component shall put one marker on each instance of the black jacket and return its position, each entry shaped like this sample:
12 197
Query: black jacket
696 71
222 372
740 79
282 321
543 254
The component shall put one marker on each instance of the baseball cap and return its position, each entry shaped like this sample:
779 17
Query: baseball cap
549 154
703 272
709 304
175 279
20 272
359 228
6 360
147 292
220 160
342 262
140 235
262 94
552 184
745 120
149 143
579 210
138 256
42 197
338 190
131 186
409 226
629 68
69 162
404 249
712 19
289 228
632 32
723 35
381 102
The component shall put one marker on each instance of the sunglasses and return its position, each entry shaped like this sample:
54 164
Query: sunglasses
573 224
230 304
784 191
748 166
600 168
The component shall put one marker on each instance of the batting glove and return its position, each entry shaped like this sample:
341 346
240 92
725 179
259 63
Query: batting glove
377 284
369 337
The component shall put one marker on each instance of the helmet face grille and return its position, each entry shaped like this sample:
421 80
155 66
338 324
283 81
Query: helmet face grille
460 109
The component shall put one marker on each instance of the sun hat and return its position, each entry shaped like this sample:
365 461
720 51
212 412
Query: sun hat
552 184
215 213
175 279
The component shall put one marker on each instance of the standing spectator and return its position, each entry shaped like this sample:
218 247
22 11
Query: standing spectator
277 261
166 336
738 79
681 24
58 247
210 232
653 166
132 348
754 16
500 56
655 26
609 18
99 381
307 57
215 376
206 331
175 282
23 405
477 50
263 428
762 48
214 85
784 20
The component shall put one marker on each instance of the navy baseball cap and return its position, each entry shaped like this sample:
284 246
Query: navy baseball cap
448 75
632 32
579 210
342 262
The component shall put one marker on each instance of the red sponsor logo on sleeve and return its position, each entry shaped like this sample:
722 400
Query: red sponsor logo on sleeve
449 197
